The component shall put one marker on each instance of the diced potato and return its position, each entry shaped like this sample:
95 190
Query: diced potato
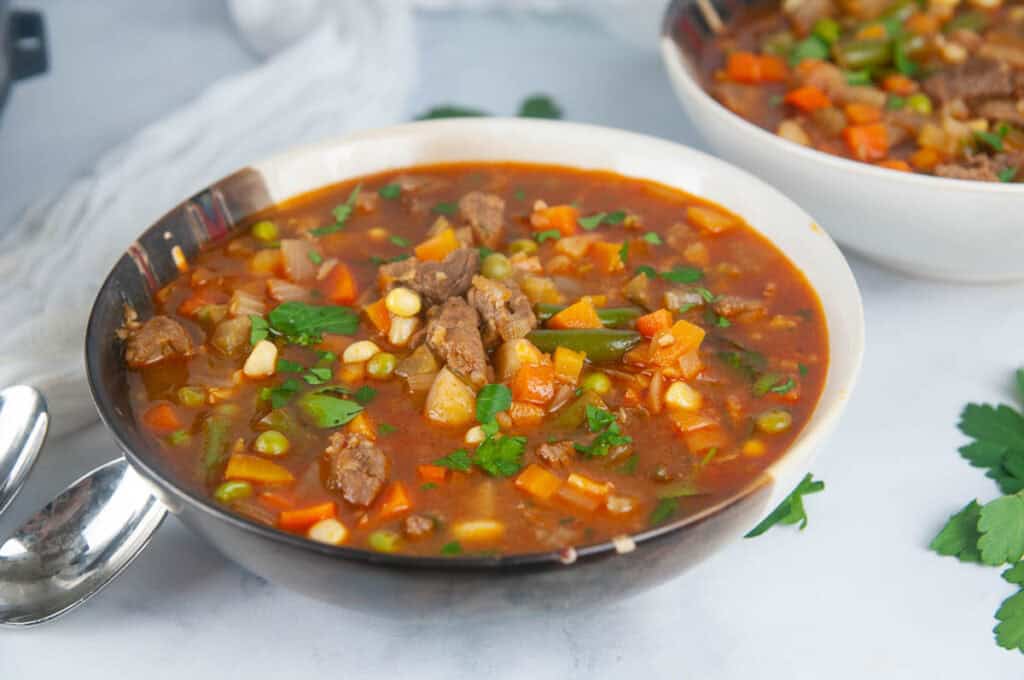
541 289
478 531
513 355
450 401
262 360
329 531
568 364
682 397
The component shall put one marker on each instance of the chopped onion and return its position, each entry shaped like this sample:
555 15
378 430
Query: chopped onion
244 303
285 291
295 256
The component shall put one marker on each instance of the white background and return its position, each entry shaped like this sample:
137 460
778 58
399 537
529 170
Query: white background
856 595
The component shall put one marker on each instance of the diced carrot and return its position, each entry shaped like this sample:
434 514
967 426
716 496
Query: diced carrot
339 286
867 142
538 482
649 324
432 473
396 501
897 83
669 345
808 98
524 414
377 313
710 220
534 383
568 364
925 159
162 418
894 164
275 501
607 256
303 518
256 469
860 114
580 314
589 486
921 23
438 247
560 217
363 424
747 67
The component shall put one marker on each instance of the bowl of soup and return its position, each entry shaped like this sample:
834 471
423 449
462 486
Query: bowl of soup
460 363
901 124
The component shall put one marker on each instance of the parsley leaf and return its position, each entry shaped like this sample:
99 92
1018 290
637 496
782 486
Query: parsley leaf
1015 574
592 222
770 382
456 460
314 257
445 208
452 548
993 139
280 396
364 395
791 509
1010 631
259 330
326 410
492 400
647 271
902 61
399 241
303 324
519 195
681 274
390 191
998 432
542 236
615 217
665 508
385 429
959 538
451 111
746 362
608 437
317 376
539 106
1001 524
629 467
501 456
652 238
1007 174
624 252
341 214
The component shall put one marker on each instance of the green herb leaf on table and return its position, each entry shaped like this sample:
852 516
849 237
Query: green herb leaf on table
1010 631
1001 525
959 538
1015 574
492 400
456 460
998 432
539 106
341 214
791 510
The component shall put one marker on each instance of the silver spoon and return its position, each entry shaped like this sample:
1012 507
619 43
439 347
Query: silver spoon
23 424
77 544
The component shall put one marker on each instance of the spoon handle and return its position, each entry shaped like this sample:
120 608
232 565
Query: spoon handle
23 424
76 545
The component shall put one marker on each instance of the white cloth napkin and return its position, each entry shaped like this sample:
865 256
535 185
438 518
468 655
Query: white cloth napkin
335 66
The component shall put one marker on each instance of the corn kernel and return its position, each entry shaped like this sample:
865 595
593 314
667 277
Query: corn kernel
403 302
358 352
682 397
753 448
378 234
402 329
474 436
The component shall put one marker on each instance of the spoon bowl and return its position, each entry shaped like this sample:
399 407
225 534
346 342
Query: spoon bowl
23 425
73 547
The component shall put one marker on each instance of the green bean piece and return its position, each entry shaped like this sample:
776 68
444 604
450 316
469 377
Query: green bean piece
573 415
496 266
597 382
609 316
265 231
228 492
215 442
774 421
385 541
381 365
523 245
271 443
860 54
601 345
192 397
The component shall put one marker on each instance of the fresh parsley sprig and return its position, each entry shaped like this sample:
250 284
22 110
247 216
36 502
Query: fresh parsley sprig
498 455
791 510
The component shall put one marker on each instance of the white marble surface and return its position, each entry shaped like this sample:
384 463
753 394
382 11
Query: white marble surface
856 595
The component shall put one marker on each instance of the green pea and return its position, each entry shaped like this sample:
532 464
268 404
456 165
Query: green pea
229 492
496 266
265 230
774 421
192 397
597 382
919 102
271 443
385 541
381 365
523 245
179 438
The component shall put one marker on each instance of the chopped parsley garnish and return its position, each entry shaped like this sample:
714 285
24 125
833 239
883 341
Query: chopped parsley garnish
386 429
317 376
904 64
341 214
715 319
542 236
802 368
519 195
687 307
652 238
492 400
665 508
539 106
427 486
326 410
280 396
771 382
993 139
1007 174
286 366
456 460
602 423
303 324
748 362
452 548
647 271
445 208
624 252
594 221
364 395
862 77
629 467
314 257
500 455
484 252
811 47
390 191
791 509
399 241
682 274
895 102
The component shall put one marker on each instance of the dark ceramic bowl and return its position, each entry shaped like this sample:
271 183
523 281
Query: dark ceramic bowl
401 585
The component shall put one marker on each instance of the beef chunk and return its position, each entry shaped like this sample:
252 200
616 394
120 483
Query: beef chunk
734 305
159 338
453 334
557 453
418 526
1009 110
436 281
982 167
505 310
976 78
485 214
355 467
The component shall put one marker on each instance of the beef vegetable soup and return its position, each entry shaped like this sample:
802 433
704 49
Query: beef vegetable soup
479 358
929 86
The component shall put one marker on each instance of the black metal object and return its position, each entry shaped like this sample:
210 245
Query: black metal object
23 52
393 585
